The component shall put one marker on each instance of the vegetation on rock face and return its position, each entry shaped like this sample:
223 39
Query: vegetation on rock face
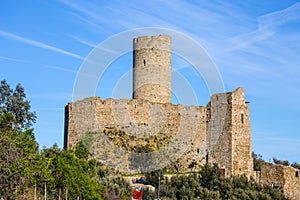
295 165
281 162
135 144
257 161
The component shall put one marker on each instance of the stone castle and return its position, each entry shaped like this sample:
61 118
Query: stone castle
181 138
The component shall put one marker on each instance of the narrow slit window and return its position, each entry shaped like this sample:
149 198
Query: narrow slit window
144 62
297 174
242 118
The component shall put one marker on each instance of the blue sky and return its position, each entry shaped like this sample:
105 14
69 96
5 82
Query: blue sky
254 44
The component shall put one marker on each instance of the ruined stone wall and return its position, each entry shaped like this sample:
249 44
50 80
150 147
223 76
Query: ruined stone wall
241 134
220 131
285 177
79 120
219 139
181 128
152 68
228 133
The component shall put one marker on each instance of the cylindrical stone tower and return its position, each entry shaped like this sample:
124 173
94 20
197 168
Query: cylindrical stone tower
152 68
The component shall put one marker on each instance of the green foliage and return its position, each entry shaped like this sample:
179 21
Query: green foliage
257 161
52 171
142 159
154 177
296 165
14 102
286 163
81 151
115 188
281 162
208 184
18 148
210 176
18 153
71 174
135 144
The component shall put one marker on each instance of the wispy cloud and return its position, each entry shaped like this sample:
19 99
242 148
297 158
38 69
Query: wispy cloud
78 73
81 9
13 59
38 44
286 140
267 26
90 44
61 69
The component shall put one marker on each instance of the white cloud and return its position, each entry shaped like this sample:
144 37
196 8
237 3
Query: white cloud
38 44
61 69
13 59
90 44
267 26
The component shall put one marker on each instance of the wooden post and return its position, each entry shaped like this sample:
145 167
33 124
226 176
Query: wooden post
45 191
59 193
35 190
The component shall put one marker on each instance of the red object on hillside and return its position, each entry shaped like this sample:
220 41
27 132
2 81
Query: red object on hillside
136 194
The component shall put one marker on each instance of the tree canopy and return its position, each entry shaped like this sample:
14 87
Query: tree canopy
208 184
14 101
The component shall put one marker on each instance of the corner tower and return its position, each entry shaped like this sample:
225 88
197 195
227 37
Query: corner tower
152 68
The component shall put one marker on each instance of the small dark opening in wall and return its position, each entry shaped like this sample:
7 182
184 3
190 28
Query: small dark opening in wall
198 151
242 118
144 62
223 172
297 173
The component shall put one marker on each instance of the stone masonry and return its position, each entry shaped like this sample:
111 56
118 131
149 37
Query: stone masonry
179 137
152 68
201 131
284 177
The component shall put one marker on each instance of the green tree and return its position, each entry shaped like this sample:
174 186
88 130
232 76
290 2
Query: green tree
73 176
154 177
208 184
18 150
296 165
81 151
14 102
281 162
210 176
257 161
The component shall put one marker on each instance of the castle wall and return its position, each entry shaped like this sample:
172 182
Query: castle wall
219 139
152 68
228 133
220 131
181 128
285 177
241 134
80 120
